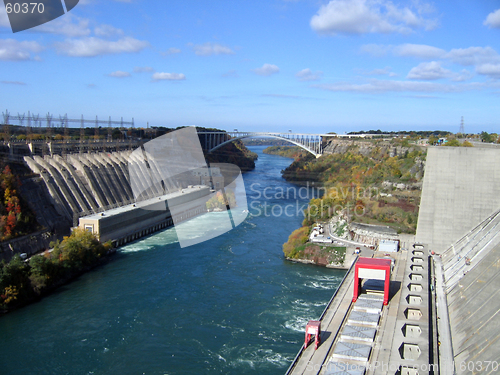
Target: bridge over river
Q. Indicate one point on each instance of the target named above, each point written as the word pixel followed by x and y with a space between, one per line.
pixel 312 143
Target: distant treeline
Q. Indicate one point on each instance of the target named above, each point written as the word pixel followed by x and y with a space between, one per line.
pixel 73 133
pixel 422 133
pixel 264 142
pixel 294 152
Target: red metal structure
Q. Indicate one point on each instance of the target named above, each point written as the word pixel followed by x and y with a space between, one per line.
pixel 372 268
pixel 313 328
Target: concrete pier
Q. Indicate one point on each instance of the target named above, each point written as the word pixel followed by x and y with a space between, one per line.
pixel 365 337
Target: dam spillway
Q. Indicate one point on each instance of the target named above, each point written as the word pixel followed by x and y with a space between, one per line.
pixel 81 184
pixel 95 192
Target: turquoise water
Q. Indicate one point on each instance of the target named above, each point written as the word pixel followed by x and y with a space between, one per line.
pixel 231 305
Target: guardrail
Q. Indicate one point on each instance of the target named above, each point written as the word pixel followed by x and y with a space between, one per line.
pixel 294 362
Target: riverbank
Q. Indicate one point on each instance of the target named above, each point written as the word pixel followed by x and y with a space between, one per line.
pixel 374 183
pixel 234 153
pixel 25 281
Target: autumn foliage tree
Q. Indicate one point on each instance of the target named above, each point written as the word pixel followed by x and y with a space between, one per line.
pixel 15 217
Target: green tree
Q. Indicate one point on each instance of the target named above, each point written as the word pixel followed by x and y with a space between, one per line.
pixel 467 144
pixel 486 137
pixel 453 143
pixel 433 140
pixel 15 274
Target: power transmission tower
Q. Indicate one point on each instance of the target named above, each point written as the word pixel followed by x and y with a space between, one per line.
pixel 49 127
pixel 6 128
pixel 110 130
pixel 82 134
pixel 48 133
pixel 96 131
pixel 66 130
pixel 35 120
pixel 21 118
pixel 462 130
pixel 28 127
pixel 64 124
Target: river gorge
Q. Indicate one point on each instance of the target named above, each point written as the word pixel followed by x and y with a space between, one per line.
pixel 231 305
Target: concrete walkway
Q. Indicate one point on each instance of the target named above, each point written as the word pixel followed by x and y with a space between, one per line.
pixel 311 361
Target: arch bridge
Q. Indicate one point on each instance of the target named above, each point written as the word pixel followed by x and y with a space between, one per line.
pixel 312 143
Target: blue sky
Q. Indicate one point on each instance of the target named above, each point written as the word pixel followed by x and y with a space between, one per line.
pixel 308 66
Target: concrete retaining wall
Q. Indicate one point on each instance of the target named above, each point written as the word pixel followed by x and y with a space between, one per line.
pixel 461 189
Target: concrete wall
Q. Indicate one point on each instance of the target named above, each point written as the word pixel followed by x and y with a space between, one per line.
pixel 474 308
pixel 461 188
pixel 136 220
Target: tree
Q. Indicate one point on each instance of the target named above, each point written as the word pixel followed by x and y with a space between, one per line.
pixel 467 144
pixel 486 137
pixel 453 143
pixel 433 140
pixel 15 276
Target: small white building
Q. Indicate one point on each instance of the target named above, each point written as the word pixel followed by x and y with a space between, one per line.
pixel 388 246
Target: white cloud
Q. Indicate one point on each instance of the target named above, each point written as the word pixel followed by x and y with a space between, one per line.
pixel 376 50
pixel 13 50
pixel 171 51
pixel 107 31
pixel 368 16
pixel 473 56
pixel 491 70
pixel 383 86
pixel 308 75
pixel 462 76
pixel 14 83
pixel 429 71
pixel 281 96
pixel 382 72
pixel 91 46
pixel 143 69
pixel 420 51
pixel 231 73
pixel 493 19
pixel 119 74
pixel 266 70
pixel 208 49
pixel 69 25
pixel 462 56
pixel 168 77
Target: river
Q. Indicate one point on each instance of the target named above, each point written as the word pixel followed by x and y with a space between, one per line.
pixel 231 305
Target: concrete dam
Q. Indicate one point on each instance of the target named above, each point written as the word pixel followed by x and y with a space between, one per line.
pixel 94 191
pixel 460 220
